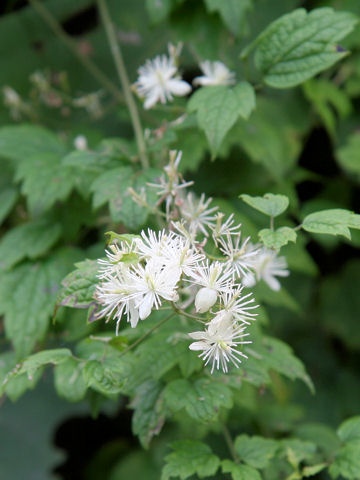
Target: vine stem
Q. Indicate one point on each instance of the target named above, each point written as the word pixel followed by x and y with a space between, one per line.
pixel 230 443
pixel 121 70
pixel 149 332
pixel 88 64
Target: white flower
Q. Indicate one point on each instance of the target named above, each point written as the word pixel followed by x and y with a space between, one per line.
pixel 215 73
pixel 218 343
pixel 113 263
pixel 150 284
pixel 267 265
pixel 197 213
pixel 80 142
pixel 240 257
pixel 224 228
pixel 205 299
pixel 158 81
pixel 238 305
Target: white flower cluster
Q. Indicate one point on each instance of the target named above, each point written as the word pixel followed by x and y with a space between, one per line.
pixel 173 265
pixel 159 79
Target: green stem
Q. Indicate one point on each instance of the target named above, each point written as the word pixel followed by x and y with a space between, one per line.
pixel 187 315
pixel 149 332
pixel 230 443
pixel 90 66
pixel 121 70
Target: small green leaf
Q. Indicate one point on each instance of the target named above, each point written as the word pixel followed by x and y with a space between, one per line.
pixel 232 12
pixel 240 472
pixel 301 44
pixel 158 10
pixel 121 237
pixel 269 204
pixel 347 462
pixel 298 450
pixel 255 451
pixel 69 380
pixel 335 221
pixel 11 383
pixel 218 108
pixel 8 197
pixel 107 377
pixel 313 469
pixel 348 156
pixel 350 429
pixel 278 238
pixel 190 457
pixel 55 357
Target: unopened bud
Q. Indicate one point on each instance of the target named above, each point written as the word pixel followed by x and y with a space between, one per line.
pixel 205 299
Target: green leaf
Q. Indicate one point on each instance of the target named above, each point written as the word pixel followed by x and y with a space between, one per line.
pixel 8 197
pixel 219 107
pixel 113 187
pixel 45 181
pixel 31 240
pixel 301 44
pixel 190 457
pixel 201 399
pixel 232 12
pixel 240 472
pixel 108 376
pixel 313 469
pixel 121 237
pixel 347 462
pixel 78 287
pixel 298 450
pixel 348 156
pixel 269 204
pixel 149 416
pixel 350 429
pixel 278 238
pixel 27 298
pixel 335 221
pixel 322 435
pixel 69 380
pixel 158 10
pixel 19 142
pixel 255 451
pixel 14 385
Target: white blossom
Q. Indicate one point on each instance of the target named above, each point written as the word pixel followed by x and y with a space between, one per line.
pixel 240 256
pixel 80 142
pixel 267 265
pixel 218 343
pixel 113 263
pixel 238 305
pixel 222 228
pixel 197 214
pixel 215 73
pixel 159 80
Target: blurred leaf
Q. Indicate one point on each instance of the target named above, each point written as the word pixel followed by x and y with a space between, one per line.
pixel 350 430
pixel 278 238
pixel 255 451
pixel 107 376
pixel 323 435
pixel 269 204
pixel 158 10
pixel 335 221
pixel 69 380
pixel 348 156
pixel 231 11
pixel 188 458
pixel 218 108
pixel 301 44
pixel 8 197
pixel 347 462
pixel 240 472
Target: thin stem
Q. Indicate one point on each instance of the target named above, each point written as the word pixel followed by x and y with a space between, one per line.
pixel 230 443
pixel 88 64
pixel 272 223
pixel 187 315
pixel 121 70
pixel 149 332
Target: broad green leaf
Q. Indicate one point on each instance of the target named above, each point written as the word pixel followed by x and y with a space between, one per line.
pixel 350 429
pixel 19 142
pixel 278 238
pixel 269 204
pixel 190 457
pixel 219 107
pixel 149 415
pixel 322 435
pixel 298 450
pixel 348 156
pixel 335 221
pixel 107 377
pixel 301 44
pixel 240 472
pixel 113 187
pixel 28 240
pixel 231 11
pixel 347 462
pixel 201 399
pixel 78 287
pixel 12 384
pixel 27 298
pixel 158 10
pixel 45 181
pixel 69 380
pixel 8 197
pixel 255 451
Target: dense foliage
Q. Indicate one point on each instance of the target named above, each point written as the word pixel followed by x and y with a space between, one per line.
pixel 274 141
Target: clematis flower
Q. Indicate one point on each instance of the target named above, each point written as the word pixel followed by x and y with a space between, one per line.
pixel 215 73
pixel 266 266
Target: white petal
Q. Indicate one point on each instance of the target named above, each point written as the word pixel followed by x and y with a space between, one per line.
pixel 199 346
pixel 145 306
pixel 273 283
pixel 178 87
pixel 151 99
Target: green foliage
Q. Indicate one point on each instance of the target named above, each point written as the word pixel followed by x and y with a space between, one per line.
pixel 334 222
pixel 278 238
pixel 348 156
pixel 240 472
pixel 272 205
pixel 232 12
pixel 255 451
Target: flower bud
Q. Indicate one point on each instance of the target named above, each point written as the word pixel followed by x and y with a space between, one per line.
pixel 205 299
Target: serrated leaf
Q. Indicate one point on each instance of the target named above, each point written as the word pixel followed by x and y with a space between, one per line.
pixel 190 457
pixel 348 156
pixel 45 181
pixel 335 221
pixel 278 238
pixel 218 108
pixel 27 298
pixel 28 240
pixel 350 429
pixel 113 187
pixel 301 44
pixel 69 380
pixel 19 142
pixel 201 399
pixel 298 450
pixel 347 462
pixel 78 287
pixel 231 11
pixel 149 416
pixel 269 204
pixel 255 451
pixel 107 377
pixel 8 198
pixel 240 472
